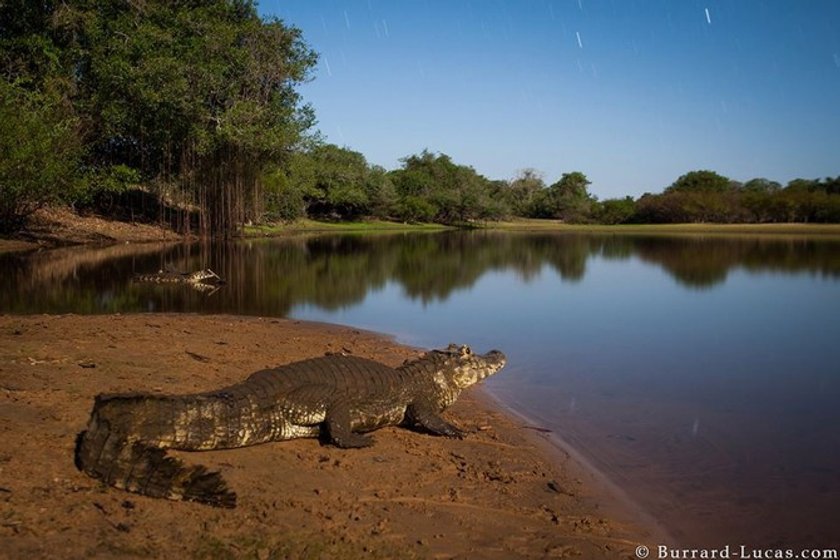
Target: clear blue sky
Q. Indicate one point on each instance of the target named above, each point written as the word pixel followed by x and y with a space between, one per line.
pixel 633 93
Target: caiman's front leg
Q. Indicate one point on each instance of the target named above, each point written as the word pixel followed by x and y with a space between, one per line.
pixel 423 415
pixel 339 428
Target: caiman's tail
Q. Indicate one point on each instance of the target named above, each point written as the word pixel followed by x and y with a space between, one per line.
pixel 108 451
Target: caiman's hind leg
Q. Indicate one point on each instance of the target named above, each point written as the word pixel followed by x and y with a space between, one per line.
pixel 425 417
pixel 138 468
pixel 339 429
pixel 331 412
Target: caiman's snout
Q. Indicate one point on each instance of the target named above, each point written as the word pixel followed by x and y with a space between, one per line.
pixel 494 360
pixel 468 368
pixel 496 357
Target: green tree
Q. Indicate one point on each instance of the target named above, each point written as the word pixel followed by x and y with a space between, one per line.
pixel 40 150
pixel 696 197
pixel 415 209
pixel 801 185
pixel 569 199
pixel 497 200
pixel 760 185
pixel 199 98
pixel 327 181
pixel 615 211
pixel 287 185
pixel 700 181
pixel 339 189
pixel 427 186
pixel 431 187
pixel 524 192
pixel 831 185
pixel 29 56
pixel 381 192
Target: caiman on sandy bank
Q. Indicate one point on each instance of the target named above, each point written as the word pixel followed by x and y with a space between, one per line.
pixel 335 397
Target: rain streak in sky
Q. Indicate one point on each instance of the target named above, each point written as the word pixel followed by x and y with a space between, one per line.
pixel 632 93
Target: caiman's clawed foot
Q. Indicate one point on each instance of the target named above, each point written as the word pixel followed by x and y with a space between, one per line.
pixel 449 430
pixel 352 441
pixel 339 432
pixel 425 418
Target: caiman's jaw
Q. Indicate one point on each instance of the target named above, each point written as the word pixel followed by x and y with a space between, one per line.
pixel 468 368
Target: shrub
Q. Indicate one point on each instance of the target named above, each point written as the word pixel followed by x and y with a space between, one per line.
pixel 40 150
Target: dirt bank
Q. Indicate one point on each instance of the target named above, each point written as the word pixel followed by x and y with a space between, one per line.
pixel 57 226
pixel 495 494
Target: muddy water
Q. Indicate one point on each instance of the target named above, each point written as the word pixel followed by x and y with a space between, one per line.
pixel 702 375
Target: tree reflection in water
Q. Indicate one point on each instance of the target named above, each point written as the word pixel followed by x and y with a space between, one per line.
pixel 270 276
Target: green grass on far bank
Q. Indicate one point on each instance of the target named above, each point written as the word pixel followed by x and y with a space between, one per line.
pixel 315 226
pixel 668 229
pixel 524 224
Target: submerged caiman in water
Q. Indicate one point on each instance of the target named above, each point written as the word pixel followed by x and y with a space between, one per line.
pixel 200 279
pixel 335 397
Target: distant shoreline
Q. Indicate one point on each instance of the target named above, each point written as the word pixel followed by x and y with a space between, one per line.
pixel 59 227
pixel 696 229
pixel 528 224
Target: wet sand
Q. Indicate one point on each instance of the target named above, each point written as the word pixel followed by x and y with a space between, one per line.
pixel 503 492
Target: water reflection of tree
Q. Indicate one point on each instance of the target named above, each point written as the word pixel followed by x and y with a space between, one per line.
pixel 704 262
pixel 269 277
pixel 71 280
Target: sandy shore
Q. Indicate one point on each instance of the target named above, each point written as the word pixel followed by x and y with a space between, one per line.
pixel 499 493
pixel 59 226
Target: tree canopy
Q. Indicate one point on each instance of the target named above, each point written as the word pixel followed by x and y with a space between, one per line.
pixel 431 187
pixel 196 97
pixel 40 152
pixel 700 181
pixel 197 104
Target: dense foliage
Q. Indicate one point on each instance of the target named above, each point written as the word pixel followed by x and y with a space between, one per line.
pixel 431 187
pixel 193 99
pixel 699 197
pixel 40 151
pixel 329 182
pixel 194 103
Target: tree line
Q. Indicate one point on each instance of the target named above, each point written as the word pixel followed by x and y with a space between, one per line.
pixel 701 196
pixel 187 100
pixel 330 182
pixel 189 113
pixel 705 196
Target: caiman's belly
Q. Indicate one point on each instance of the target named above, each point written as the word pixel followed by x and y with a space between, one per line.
pixel 364 417
pixel 373 417
pixel 218 425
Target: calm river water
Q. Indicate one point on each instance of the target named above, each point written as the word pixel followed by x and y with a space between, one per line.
pixel 701 374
